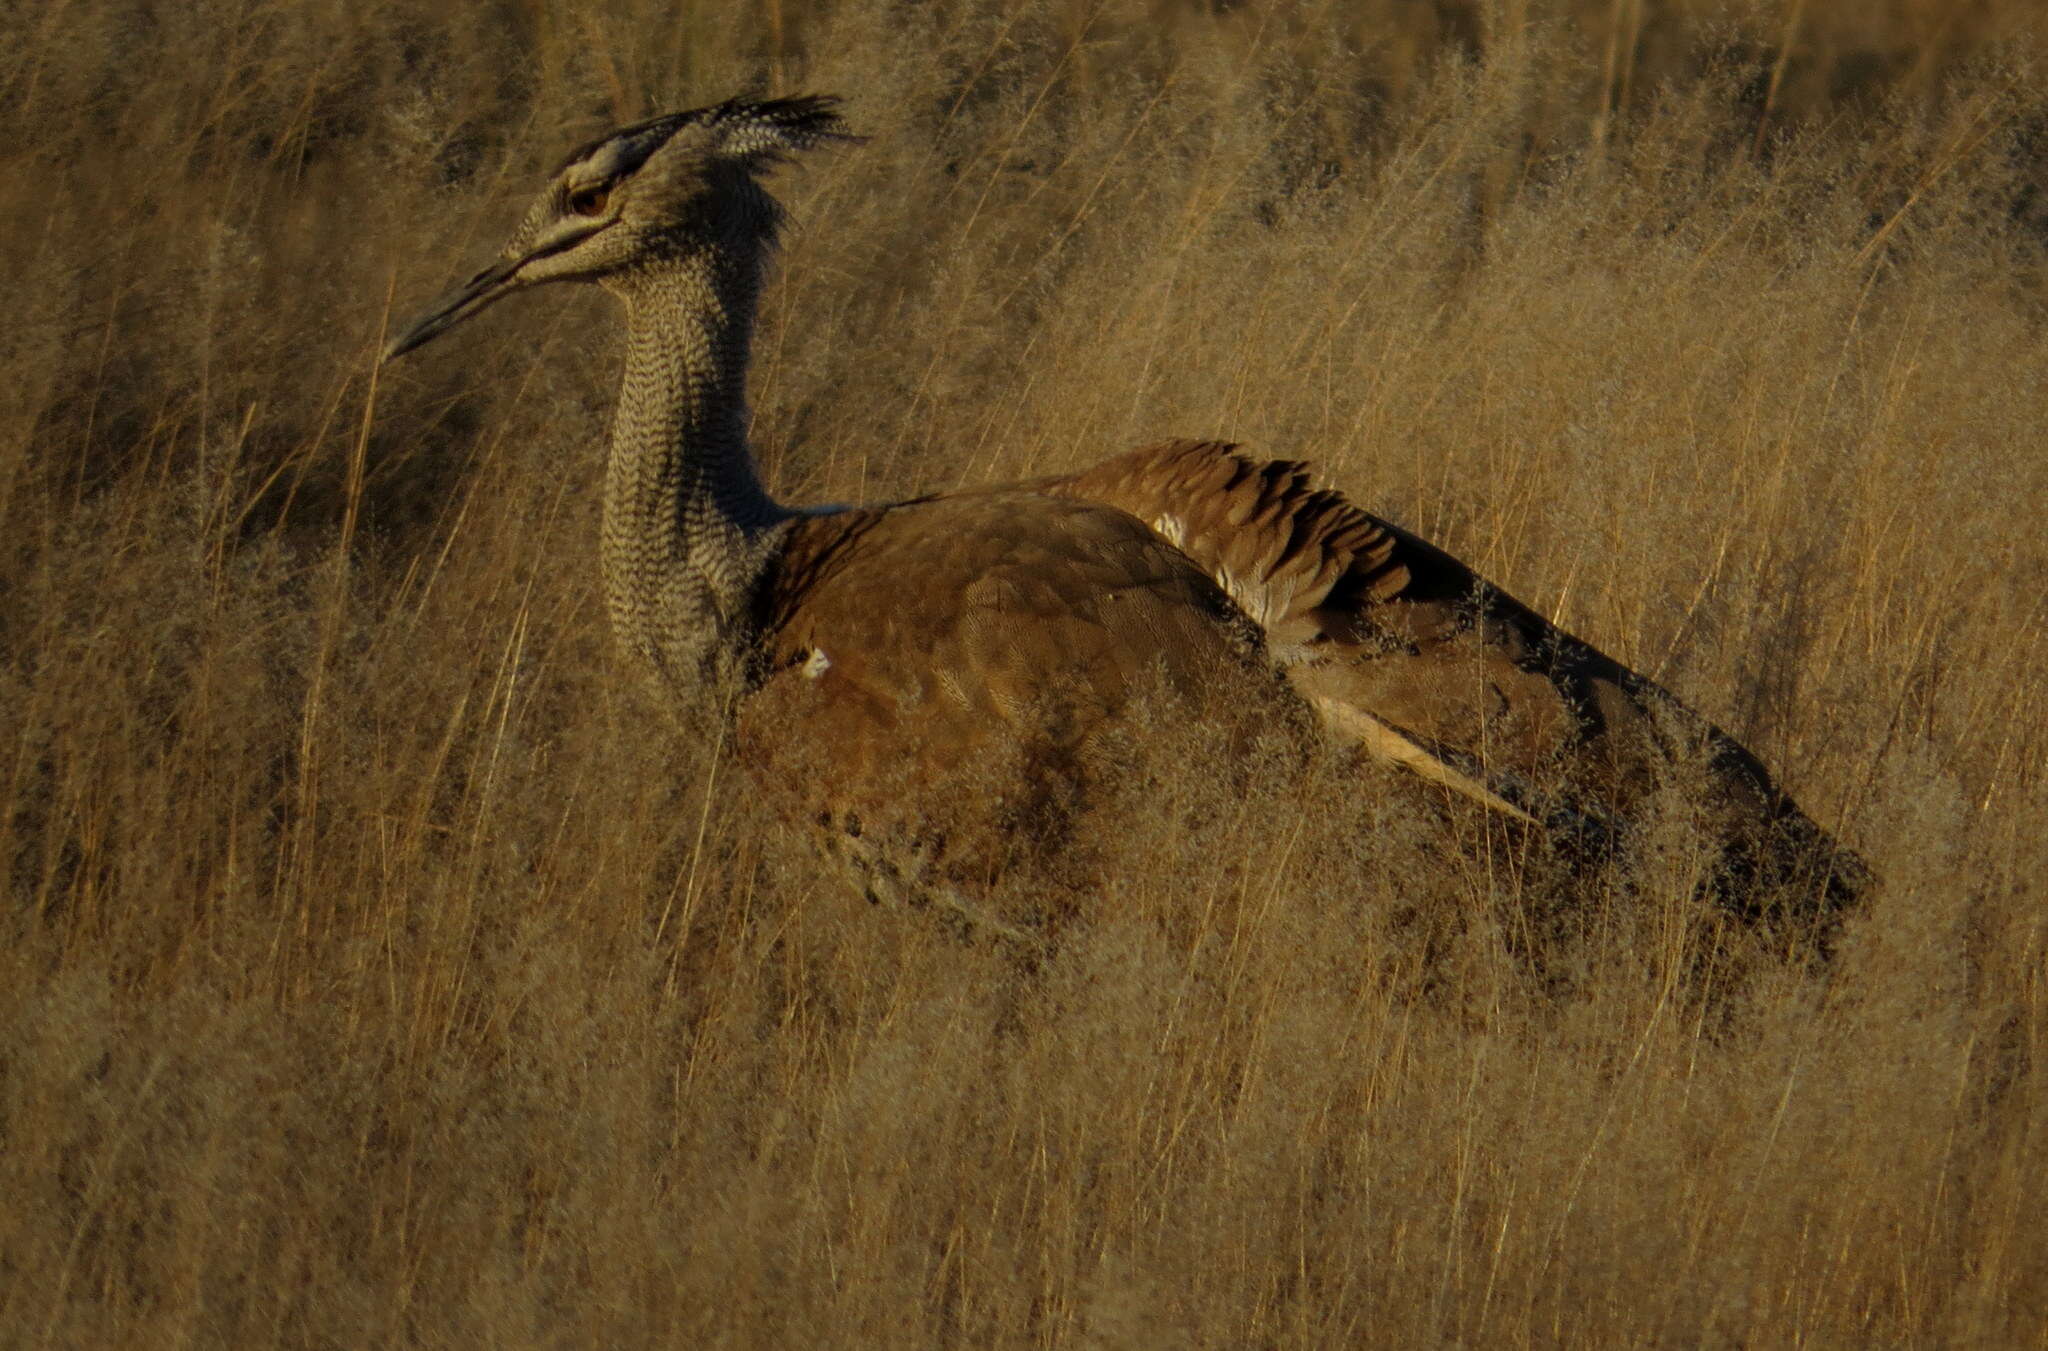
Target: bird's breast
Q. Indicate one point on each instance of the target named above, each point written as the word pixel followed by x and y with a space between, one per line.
pixel 967 659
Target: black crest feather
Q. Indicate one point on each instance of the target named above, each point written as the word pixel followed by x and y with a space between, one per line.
pixel 752 127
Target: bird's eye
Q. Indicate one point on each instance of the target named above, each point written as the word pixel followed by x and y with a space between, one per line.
pixel 589 201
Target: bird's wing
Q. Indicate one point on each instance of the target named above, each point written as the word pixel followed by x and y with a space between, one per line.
pixel 1406 650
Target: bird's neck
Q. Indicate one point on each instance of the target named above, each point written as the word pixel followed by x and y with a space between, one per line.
pixel 688 529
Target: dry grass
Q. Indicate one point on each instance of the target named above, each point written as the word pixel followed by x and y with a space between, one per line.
pixel 372 975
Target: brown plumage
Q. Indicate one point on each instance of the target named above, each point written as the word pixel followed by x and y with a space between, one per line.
pixel 943 678
pixel 939 681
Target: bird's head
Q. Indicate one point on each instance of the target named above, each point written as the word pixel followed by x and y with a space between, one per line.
pixel 644 196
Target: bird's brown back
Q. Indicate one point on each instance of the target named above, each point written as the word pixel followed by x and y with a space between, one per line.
pixel 942 677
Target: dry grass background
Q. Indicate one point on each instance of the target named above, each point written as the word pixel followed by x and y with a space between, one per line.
pixel 377 970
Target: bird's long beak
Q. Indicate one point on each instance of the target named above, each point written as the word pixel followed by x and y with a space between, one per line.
pixel 498 280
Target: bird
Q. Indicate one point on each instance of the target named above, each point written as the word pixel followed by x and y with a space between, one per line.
pixel 929 682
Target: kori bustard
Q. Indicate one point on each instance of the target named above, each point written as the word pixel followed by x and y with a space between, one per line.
pixel 871 656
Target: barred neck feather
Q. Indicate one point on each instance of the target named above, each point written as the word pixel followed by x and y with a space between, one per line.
pixel 688 528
